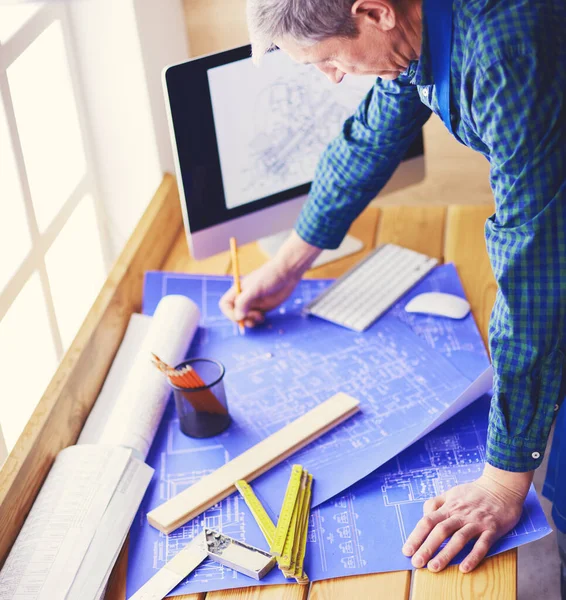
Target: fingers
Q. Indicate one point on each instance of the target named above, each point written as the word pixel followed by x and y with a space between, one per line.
pixel 433 504
pixel 451 527
pixel 227 303
pixel 465 512
pixel 253 318
pixel 242 304
pixel 480 549
pixel 236 308
pixel 440 532
pixel 456 543
pixel 421 531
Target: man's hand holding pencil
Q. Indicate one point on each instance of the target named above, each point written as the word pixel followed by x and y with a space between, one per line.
pixel 236 272
pixel 270 285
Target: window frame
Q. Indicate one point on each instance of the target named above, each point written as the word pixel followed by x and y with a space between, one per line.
pixel 87 187
pixel 34 261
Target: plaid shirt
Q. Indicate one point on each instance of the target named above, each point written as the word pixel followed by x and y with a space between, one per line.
pixel 508 79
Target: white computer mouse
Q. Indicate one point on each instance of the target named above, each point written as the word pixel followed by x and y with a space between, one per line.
pixel 439 304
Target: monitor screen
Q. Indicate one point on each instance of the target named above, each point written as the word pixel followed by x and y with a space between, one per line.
pixel 272 126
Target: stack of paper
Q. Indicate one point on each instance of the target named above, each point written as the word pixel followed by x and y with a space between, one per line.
pixel 79 521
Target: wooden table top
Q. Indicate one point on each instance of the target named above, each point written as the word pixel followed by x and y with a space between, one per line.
pixel 451 234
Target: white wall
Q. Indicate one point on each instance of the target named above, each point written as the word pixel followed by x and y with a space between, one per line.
pixel 121 48
pixel 3 448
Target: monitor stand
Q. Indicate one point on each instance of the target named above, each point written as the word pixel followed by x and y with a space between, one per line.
pixel 270 245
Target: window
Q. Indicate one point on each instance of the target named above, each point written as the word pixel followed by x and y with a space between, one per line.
pixel 54 257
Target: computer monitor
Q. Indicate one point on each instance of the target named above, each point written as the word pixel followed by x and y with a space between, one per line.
pixel 246 141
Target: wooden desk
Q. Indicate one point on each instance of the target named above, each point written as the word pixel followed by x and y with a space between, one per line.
pixel 452 234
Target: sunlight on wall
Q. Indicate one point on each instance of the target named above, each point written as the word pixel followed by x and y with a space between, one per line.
pixel 75 268
pixel 15 241
pixel 28 358
pixel 48 124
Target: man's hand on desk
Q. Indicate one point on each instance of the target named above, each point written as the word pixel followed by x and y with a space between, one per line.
pixel 485 509
pixel 271 284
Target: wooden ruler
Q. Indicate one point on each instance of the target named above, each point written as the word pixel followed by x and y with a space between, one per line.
pixel 292 557
pixel 288 513
pixel 252 463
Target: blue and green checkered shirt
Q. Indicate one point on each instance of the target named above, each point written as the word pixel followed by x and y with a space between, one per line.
pixel 508 81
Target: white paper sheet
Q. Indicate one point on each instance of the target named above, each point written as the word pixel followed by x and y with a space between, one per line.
pixel 111 532
pixel 63 521
pixel 482 385
pixel 287 114
pixel 141 401
pixel 136 332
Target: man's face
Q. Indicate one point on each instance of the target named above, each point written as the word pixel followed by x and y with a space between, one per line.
pixel 384 52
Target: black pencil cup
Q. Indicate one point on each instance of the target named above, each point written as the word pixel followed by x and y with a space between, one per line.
pixel 202 409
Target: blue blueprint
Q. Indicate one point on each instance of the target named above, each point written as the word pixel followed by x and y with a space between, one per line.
pixel 180 461
pixel 281 370
pixel 458 341
pixel 359 530
pixel 363 530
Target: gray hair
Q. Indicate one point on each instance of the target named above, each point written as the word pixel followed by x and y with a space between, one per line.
pixel 305 21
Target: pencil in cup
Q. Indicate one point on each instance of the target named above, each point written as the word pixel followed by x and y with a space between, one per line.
pixel 236 274
pixel 202 400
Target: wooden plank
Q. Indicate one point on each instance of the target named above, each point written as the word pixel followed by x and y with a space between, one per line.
pixel 390 586
pixel 494 578
pixel 250 258
pixel 465 247
pixel 116 589
pixel 63 409
pixel 214 26
pixel 419 228
pixel 268 592
pixel 253 462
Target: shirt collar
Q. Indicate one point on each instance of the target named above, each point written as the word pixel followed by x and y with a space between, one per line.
pixel 420 71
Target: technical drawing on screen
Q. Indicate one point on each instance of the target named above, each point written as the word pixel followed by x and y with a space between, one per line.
pixel 247 140
pixel 285 119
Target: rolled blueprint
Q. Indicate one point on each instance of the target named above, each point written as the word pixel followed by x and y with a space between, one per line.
pixel 141 401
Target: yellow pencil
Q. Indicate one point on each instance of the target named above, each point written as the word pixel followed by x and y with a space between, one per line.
pixel 236 273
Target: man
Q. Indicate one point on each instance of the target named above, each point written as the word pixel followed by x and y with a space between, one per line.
pixel 507 85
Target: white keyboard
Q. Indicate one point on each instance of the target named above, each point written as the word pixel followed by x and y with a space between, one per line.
pixel 366 291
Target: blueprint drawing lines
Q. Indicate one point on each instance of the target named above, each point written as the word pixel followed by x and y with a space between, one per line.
pixel 279 371
pixel 457 340
pixel 363 530
pixel 294 119
pixel 299 362
pixel 179 462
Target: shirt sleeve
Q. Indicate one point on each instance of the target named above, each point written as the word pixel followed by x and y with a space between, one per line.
pixel 520 116
pixel 360 161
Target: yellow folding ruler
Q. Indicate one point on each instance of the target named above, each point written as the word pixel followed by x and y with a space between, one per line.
pixel 288 540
